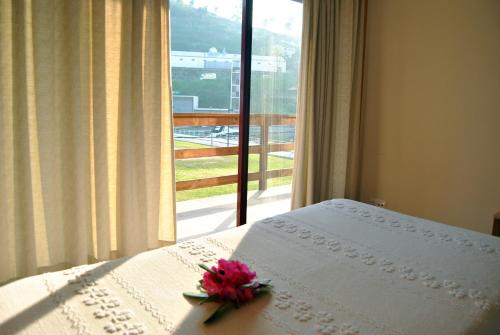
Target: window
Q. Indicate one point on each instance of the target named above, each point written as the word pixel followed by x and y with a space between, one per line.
pixel 206 69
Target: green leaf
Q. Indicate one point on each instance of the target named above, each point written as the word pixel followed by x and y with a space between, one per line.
pixel 218 313
pixel 206 268
pixel 262 290
pixel 264 282
pixel 257 284
pixel 195 295
pixel 209 299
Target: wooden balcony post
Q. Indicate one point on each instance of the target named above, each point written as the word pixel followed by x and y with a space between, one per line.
pixel 264 150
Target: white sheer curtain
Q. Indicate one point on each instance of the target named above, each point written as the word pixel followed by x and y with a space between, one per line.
pixel 86 144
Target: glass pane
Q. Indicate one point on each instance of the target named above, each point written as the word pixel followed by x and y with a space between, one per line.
pixel 276 41
pixel 205 65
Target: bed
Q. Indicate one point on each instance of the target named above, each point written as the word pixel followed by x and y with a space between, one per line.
pixel 337 267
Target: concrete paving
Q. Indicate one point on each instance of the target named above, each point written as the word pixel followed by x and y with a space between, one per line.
pixel 199 217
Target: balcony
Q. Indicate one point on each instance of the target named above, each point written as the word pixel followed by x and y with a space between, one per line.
pixel 208 203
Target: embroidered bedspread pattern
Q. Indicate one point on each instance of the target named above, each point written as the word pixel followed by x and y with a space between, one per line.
pixel 338 267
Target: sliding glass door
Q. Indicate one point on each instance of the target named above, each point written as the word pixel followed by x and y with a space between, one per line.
pixel 206 54
pixel 205 67
pixel 276 42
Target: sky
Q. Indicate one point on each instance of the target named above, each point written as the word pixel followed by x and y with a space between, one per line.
pixel 279 16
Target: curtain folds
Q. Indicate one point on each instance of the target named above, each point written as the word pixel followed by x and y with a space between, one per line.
pixel 86 147
pixel 327 145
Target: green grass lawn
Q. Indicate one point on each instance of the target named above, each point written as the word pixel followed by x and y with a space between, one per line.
pixel 199 168
pixel 189 145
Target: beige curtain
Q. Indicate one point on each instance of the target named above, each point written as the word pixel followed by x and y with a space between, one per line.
pixel 327 144
pixel 86 145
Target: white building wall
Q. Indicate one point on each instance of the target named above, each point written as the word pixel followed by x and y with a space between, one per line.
pixel 198 60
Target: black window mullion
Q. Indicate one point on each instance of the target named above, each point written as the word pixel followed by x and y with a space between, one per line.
pixel 244 124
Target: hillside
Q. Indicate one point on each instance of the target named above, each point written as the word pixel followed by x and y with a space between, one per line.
pixel 196 29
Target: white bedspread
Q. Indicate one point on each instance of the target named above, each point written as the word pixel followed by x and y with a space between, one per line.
pixel 339 267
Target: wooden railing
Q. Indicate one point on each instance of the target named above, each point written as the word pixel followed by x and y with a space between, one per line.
pixel 261 120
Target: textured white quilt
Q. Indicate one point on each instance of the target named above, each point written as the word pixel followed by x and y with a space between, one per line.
pixel 339 267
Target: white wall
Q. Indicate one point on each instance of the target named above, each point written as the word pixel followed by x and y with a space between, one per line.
pixel 432 125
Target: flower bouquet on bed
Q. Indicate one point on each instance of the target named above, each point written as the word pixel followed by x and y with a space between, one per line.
pixel 230 283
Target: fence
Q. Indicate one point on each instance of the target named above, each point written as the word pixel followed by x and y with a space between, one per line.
pixel 263 147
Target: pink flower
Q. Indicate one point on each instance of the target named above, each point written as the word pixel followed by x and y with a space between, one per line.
pixel 227 279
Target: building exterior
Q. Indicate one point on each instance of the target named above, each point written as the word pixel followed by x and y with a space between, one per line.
pixel 214 60
pixel 222 60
